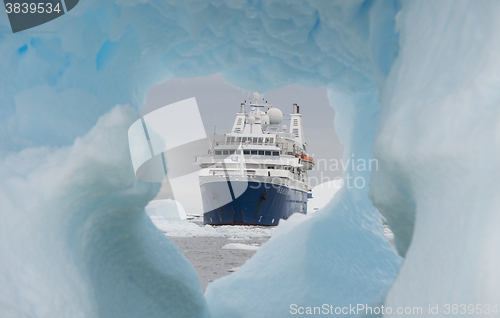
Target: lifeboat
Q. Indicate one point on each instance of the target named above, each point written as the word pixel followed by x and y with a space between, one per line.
pixel 307 161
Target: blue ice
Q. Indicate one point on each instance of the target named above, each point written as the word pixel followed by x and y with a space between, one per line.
pixel 406 80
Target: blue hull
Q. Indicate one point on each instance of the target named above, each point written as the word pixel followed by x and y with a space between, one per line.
pixel 260 204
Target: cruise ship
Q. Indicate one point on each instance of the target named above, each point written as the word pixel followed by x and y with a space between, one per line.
pixel 257 173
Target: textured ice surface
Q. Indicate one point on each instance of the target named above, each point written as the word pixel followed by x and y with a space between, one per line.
pixel 332 258
pixel 438 145
pixel 75 241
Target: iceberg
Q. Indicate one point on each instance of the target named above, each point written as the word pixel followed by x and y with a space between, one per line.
pixel 77 242
pixel 168 209
pixel 414 85
pixel 436 141
pixel 322 194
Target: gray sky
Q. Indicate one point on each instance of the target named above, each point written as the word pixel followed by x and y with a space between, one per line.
pixel 219 102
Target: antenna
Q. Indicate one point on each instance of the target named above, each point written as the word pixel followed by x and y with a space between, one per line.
pixel 215 123
pixel 215 129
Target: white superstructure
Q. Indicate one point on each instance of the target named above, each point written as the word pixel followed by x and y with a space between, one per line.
pixel 272 152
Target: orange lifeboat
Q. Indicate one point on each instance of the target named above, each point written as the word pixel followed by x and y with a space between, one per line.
pixel 307 161
pixel 304 157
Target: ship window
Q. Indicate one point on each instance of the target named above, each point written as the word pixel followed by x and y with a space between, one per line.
pixel 267 140
pixel 228 139
pixel 268 153
pixel 218 152
pixel 231 152
pixel 295 122
pixel 232 139
pixel 238 139
pixel 254 152
pixel 296 132
pixel 271 140
pixel 244 139
pixel 225 152
pixel 276 153
pixel 246 152
pixel 255 140
pixel 261 152
pixel 260 140
pixel 270 167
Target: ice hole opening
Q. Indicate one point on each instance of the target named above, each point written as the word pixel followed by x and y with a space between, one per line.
pixel 218 103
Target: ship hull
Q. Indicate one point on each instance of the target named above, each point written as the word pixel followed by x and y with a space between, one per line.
pixel 260 204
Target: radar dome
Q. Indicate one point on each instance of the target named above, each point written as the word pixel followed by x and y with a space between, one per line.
pixel 275 116
pixel 264 119
pixel 256 95
pixel 251 120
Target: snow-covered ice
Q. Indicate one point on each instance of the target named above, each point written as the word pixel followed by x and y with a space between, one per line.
pixel 240 246
pixel 240 232
pixel 167 209
pixel 185 228
pixel 323 194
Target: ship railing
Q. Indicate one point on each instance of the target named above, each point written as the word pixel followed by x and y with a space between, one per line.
pixel 229 172
pixel 251 173
pixel 246 141
pixel 286 146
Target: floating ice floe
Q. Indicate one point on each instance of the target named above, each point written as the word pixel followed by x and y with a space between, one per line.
pixel 239 246
pixel 168 209
pixel 186 228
